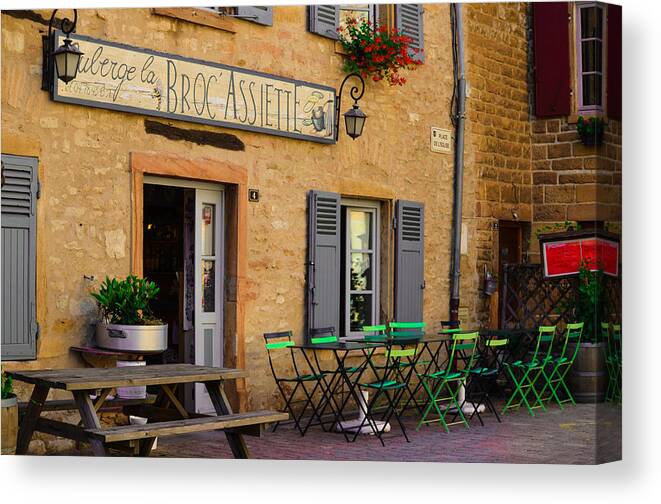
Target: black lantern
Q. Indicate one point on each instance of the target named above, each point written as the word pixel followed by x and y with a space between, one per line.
pixel 66 57
pixel 354 118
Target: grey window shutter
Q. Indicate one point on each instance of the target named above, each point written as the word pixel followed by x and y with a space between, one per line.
pixel 409 260
pixel 324 20
pixel 408 21
pixel 256 14
pixel 19 258
pixel 324 252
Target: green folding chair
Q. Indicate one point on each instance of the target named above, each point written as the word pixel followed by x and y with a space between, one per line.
pixel 524 373
pixel 448 381
pixel 558 366
pixel 613 337
pixel 402 332
pixel 483 378
pixel 333 382
pixel 389 386
pixel 277 343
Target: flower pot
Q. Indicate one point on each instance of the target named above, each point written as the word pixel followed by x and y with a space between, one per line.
pixel 594 139
pixel 132 338
pixel 9 425
pixel 588 378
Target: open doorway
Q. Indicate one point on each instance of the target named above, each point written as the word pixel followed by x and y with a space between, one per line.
pixel 163 260
pixel 512 237
pixel 183 252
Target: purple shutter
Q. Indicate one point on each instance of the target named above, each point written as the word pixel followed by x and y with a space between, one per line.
pixel 551 38
pixel 614 62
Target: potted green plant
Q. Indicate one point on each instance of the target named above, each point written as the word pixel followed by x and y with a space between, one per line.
pixel 590 130
pixel 9 416
pixel 588 378
pixel 128 321
pixel 379 53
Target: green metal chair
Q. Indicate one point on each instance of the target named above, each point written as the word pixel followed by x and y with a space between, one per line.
pixel 388 386
pixel 613 337
pixel 374 332
pixel 407 331
pixel 559 365
pixel 333 382
pixel 483 377
pixel 449 381
pixel 277 343
pixel 525 372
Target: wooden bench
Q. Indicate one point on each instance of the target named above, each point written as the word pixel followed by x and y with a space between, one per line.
pixel 108 405
pixel 199 424
pixel 166 415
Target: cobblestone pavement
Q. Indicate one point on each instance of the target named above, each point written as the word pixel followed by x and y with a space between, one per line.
pixel 582 434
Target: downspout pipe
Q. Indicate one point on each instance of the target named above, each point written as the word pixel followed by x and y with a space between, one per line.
pixel 460 119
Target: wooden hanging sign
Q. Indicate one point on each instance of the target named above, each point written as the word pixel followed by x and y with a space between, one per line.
pixel 130 79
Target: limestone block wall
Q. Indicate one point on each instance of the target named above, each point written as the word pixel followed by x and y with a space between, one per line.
pixel 574 182
pixel 498 171
pixel 84 214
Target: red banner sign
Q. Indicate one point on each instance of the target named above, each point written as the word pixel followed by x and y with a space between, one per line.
pixel 564 257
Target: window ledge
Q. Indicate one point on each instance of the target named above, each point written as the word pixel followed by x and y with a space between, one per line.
pixel 573 118
pixel 198 16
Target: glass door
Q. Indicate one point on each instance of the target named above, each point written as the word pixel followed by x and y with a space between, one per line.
pixel 208 292
pixel 361 271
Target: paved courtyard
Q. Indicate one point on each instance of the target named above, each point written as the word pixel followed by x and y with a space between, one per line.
pixel 584 434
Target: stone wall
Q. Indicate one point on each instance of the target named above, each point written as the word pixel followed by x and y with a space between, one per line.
pixel 535 171
pixel 574 182
pixel 497 179
pixel 84 214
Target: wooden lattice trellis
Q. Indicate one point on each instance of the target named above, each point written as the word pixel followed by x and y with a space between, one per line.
pixel 530 300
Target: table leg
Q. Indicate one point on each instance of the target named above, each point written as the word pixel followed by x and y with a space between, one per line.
pixel 90 419
pixel 222 407
pixel 163 400
pixel 29 422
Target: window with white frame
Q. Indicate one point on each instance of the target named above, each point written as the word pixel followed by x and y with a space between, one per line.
pixel 359 265
pixel 590 56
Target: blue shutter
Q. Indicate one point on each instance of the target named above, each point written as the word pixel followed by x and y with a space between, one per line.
pixel 256 14
pixel 19 315
pixel 324 20
pixel 409 261
pixel 408 21
pixel 324 249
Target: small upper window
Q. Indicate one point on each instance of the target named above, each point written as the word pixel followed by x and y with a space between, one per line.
pixel 256 14
pixel 590 56
pixel 359 12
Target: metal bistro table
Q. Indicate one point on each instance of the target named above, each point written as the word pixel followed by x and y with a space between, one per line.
pixel 350 376
pixel 166 416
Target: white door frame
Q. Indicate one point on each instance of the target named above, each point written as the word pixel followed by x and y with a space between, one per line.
pixel 211 193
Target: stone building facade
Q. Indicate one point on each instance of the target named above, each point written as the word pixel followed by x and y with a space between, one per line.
pixel 94 164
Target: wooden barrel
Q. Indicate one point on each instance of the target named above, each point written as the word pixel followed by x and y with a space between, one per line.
pixel 9 425
pixel 588 377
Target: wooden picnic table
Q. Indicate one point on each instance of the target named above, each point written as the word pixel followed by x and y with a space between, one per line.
pixel 165 416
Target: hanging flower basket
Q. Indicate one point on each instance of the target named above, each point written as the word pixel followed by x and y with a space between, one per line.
pixel 590 130
pixel 379 53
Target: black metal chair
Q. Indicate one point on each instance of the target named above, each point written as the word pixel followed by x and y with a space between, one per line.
pixel 278 342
